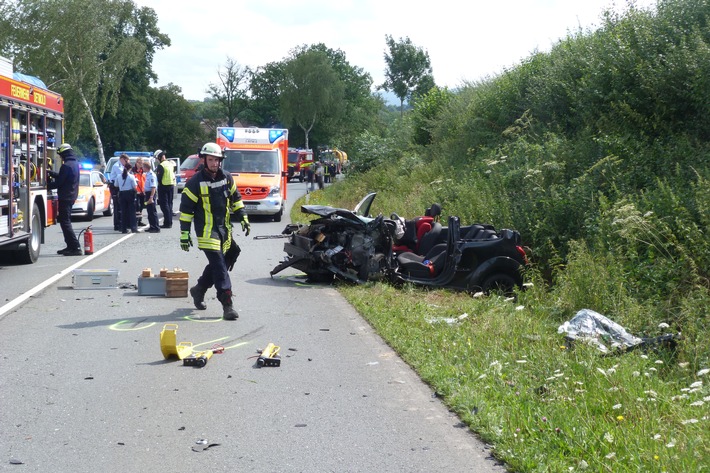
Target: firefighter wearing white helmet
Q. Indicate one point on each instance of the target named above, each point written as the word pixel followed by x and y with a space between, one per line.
pixel 208 200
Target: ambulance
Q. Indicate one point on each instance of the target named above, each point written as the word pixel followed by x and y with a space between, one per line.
pixel 31 129
pixel 257 158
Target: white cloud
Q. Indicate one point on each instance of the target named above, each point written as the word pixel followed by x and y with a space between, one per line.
pixel 466 41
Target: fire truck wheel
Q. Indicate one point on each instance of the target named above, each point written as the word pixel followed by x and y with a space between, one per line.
pixel 277 216
pixel 29 252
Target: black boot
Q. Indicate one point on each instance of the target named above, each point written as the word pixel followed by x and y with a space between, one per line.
pixel 198 296
pixel 228 312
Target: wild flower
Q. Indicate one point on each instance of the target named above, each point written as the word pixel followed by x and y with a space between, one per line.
pixel 697 384
pixel 636 374
pixel 690 421
pixel 610 455
pixel 616 406
pixel 651 393
pixel 697 403
pixel 657 437
pixel 703 372
pixel 619 418
pixel 671 444
pixel 609 437
pixel 663 325
pixel 659 362
pixel 683 364
pixel 544 419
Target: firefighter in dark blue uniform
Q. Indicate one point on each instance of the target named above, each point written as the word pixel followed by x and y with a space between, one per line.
pixel 67 184
pixel 208 200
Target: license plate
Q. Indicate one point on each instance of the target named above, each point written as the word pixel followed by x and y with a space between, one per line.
pixel 250 206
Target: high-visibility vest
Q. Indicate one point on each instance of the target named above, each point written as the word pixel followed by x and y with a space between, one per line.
pixel 168 173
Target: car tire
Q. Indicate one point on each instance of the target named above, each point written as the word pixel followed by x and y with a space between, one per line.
pixel 90 210
pixel 109 211
pixel 500 283
pixel 278 215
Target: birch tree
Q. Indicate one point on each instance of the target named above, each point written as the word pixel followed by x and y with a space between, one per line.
pixel 80 48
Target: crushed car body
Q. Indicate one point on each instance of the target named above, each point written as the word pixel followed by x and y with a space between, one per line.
pixel 353 246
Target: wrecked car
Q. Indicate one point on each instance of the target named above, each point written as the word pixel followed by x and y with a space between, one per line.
pixel 353 246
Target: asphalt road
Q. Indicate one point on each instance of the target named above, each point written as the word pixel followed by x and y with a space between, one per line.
pixel 84 386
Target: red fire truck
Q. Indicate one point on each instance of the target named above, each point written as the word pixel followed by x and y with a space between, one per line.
pixel 299 160
pixel 31 127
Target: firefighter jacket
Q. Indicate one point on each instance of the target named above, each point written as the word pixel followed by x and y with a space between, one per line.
pixel 67 180
pixel 208 202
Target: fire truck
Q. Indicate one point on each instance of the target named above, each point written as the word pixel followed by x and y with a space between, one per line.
pixel 299 160
pixel 31 128
pixel 257 158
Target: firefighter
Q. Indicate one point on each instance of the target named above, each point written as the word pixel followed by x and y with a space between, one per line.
pixel 209 197
pixel 66 181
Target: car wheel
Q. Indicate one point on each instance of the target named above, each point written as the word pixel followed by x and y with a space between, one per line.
pixel 500 283
pixel 277 216
pixel 109 211
pixel 90 210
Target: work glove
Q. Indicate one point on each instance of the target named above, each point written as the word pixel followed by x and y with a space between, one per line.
pixel 185 240
pixel 246 227
pixel 230 257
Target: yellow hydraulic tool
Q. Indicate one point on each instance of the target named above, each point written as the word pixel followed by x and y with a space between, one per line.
pixel 198 359
pixel 269 356
pixel 169 345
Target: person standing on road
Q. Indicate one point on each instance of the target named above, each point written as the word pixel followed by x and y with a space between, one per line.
pixel 208 200
pixel 140 190
pixel 150 195
pixel 319 175
pixel 166 179
pixel 127 186
pixel 66 181
pixel 116 172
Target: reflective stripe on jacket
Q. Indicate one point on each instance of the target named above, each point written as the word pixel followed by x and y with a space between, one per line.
pixel 208 203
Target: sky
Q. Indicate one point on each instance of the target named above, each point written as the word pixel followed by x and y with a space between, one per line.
pixel 466 40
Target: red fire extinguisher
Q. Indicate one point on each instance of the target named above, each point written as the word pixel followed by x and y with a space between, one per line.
pixel 88 241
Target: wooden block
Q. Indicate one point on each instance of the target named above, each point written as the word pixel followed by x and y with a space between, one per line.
pixel 147 273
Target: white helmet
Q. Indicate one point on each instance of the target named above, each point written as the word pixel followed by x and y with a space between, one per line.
pixel 63 148
pixel 157 153
pixel 212 149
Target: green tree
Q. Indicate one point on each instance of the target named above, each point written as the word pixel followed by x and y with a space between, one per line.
pixel 231 92
pixel 265 87
pixel 312 92
pixel 73 44
pixel 127 127
pixel 408 70
pixel 173 124
pixel 359 109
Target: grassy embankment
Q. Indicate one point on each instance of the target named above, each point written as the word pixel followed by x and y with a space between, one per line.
pixel 597 152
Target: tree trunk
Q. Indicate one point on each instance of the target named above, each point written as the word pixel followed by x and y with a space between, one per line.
pixel 95 130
